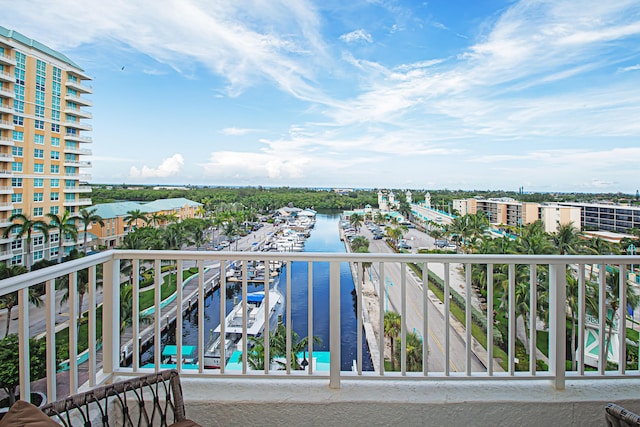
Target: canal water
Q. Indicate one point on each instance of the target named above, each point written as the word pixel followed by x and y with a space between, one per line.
pixel 325 237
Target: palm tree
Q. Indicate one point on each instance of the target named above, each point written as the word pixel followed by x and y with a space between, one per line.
pixel 26 227
pixel 392 327
pixel 155 218
pixel 414 352
pixel 613 298
pixel 11 300
pixel 82 287
pixel 65 224
pixel 359 242
pixel 356 221
pixel 87 217
pixel 134 216
pixel 568 239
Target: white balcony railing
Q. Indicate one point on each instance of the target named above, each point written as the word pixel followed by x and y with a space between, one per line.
pixel 440 352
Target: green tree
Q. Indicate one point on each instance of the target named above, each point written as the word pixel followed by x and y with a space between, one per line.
pixel 356 221
pixel 66 226
pixel 86 217
pixel 10 300
pixel 613 298
pixel 392 328
pixel 134 216
pixel 25 227
pixel 568 239
pixel 10 363
pixel 359 242
pixel 413 350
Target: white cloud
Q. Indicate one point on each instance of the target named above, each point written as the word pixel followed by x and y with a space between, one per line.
pixel 236 41
pixel 630 68
pixel 236 131
pixel 169 167
pixel 356 36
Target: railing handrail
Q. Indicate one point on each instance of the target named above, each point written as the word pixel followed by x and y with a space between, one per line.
pixel 557 305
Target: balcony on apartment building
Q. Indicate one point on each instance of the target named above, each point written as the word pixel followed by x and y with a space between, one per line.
pixel 6 157
pixel 76 150
pixel 77 163
pixel 6 124
pixel 78 125
pixel 78 112
pixel 77 138
pixel 6 141
pixel 77 189
pixel 77 85
pixel 7 60
pixel 448 389
pixel 7 77
pixel 6 108
pixel 78 100
pixel 6 92
pixel 78 202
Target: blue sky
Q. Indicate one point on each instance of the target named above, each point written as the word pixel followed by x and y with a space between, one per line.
pixel 451 94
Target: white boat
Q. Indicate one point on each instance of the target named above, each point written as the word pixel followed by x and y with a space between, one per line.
pixel 233 325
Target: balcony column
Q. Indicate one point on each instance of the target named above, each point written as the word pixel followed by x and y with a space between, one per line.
pixel 334 324
pixel 557 323
pixel 23 344
pixel 111 316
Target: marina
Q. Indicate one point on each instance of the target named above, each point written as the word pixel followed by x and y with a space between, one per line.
pixel 324 237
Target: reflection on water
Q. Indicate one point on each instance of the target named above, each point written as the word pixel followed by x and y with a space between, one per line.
pixel 324 238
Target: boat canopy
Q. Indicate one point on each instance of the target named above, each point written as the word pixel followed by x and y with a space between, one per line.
pixel 172 350
pixel 256 297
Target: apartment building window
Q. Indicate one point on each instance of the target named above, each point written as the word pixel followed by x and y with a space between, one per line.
pixel 16 151
pixel 38 197
pixel 40 111
pixel 16 260
pixel 55 155
pixel 16 198
pixel 16 244
pixel 70 157
pixel 38 124
pixel 38 168
pixel 53 252
pixel 18 120
pixel 55 169
pixel 69 183
pixel 55 210
pixel 54 196
pixel 19 76
pixel 54 183
pixel 18 106
pixel 38 240
pixel 16 182
pixel 55 127
pixel 38 255
pixel 72 92
pixel 16 211
pixel 38 153
pixel 55 141
pixel 16 166
pixel 38 182
pixel 37 211
pixel 18 136
pixel 38 139
pixel 71 171
pixel 69 197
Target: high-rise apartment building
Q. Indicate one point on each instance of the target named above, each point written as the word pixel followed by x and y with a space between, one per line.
pixel 42 140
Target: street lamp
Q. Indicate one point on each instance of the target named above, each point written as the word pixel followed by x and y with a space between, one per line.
pixel 631 250
pixel 387 282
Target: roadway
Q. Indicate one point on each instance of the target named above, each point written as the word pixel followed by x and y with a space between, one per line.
pixel 392 284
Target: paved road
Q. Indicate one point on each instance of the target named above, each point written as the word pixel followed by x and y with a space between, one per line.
pixel 392 285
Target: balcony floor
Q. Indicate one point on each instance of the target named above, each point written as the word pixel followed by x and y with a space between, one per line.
pixel 400 402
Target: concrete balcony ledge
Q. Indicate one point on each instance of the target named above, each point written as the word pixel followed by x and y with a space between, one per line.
pixel 405 402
